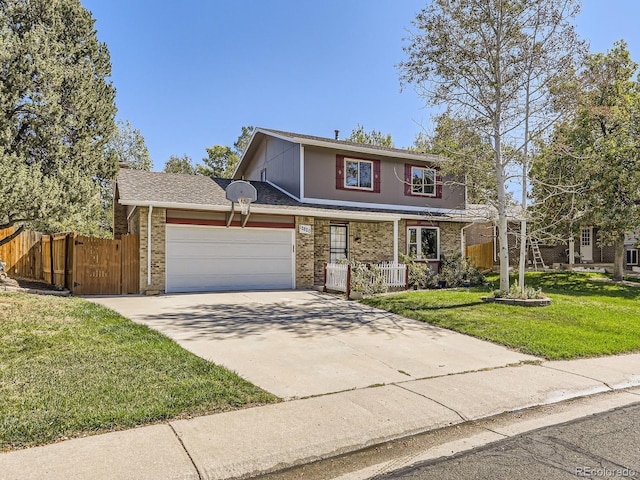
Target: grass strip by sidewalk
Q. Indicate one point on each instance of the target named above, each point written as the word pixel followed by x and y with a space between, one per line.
pixel 588 317
pixel 69 367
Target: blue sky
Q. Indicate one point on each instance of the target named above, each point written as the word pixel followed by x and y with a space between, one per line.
pixel 190 74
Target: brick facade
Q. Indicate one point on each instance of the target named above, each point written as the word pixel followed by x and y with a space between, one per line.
pixel 371 242
pixel 320 249
pixel 158 224
pixel 120 226
pixel 450 238
pixel 305 253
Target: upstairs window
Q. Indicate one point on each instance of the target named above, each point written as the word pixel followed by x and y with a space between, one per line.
pixel 423 181
pixel 358 174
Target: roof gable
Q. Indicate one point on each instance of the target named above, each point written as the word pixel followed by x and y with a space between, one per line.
pixel 343 145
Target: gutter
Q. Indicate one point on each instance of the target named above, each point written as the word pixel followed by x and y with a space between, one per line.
pixel 311 212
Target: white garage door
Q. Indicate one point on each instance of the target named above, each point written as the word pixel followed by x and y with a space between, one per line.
pixel 201 259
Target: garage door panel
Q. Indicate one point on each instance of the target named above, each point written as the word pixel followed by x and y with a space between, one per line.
pixel 234 266
pixel 209 258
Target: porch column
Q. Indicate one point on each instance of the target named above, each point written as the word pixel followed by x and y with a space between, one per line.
pixel 572 250
pixel 395 241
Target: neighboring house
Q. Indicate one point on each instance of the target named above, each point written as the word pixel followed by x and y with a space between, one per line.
pixel 318 200
pixel 587 250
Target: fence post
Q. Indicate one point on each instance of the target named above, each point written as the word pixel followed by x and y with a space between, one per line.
pixel 348 280
pixel 324 287
pixel 406 276
pixel 53 280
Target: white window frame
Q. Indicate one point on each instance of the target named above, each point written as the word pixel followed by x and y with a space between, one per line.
pixel 585 237
pixel 634 253
pixel 358 161
pixel 419 230
pixel 424 170
pixel 332 259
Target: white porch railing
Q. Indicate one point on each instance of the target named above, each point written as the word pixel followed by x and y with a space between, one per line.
pixel 395 274
pixel 337 274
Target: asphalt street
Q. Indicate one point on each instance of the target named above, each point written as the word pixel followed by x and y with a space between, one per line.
pixel 605 445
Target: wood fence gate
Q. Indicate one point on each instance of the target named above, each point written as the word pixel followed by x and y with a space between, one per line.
pixel 105 267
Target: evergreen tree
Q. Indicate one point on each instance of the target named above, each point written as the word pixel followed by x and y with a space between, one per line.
pixel 58 112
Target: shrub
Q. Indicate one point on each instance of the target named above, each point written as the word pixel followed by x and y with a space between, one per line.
pixel 367 279
pixel 456 270
pixel 420 274
pixel 529 293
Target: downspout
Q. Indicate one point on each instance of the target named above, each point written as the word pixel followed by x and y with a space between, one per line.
pixel 149 246
pixel 463 242
pixel 395 240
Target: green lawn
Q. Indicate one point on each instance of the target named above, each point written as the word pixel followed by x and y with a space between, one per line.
pixel 587 317
pixel 69 367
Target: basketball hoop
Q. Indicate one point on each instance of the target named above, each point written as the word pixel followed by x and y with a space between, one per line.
pixel 242 193
pixel 244 203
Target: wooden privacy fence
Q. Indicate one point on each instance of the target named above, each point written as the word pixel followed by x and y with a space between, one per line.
pixel 481 255
pixel 23 254
pixel 84 265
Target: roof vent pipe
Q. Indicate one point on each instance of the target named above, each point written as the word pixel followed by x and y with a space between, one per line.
pixel 337 132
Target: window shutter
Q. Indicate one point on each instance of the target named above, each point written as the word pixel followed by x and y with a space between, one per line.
pixel 376 176
pixel 340 172
pixel 407 180
pixel 438 184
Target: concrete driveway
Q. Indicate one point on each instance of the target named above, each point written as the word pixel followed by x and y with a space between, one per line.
pixel 302 343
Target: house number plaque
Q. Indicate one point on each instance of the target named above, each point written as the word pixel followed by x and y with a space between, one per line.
pixel 304 229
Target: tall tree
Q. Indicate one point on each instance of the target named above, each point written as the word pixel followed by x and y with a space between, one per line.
pixel 241 144
pixel 471 157
pixel 128 146
pixel 598 149
pixel 222 160
pixel 374 137
pixel 58 112
pixel 182 164
pixel 494 63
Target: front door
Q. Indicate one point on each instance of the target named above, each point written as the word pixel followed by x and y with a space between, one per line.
pixel 586 245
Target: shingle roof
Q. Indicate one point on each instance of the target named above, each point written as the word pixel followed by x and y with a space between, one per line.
pixel 347 144
pixel 136 187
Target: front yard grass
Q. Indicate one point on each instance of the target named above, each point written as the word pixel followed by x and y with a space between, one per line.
pixel 588 317
pixel 69 367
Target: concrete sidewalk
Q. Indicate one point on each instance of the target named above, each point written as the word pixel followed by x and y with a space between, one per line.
pixel 259 440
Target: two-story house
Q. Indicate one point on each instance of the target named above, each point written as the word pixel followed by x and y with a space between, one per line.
pixel 318 200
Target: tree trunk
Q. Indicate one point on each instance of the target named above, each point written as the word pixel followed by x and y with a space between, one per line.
pixel 8 238
pixel 618 259
pixel 503 239
pixel 523 253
